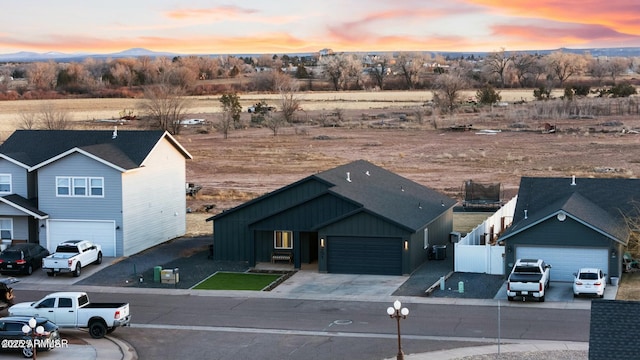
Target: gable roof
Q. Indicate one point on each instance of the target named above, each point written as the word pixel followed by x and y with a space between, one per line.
pixel 379 192
pixel 613 330
pixel 597 203
pixel 123 150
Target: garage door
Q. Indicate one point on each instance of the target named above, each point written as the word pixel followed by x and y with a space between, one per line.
pixel 564 260
pixel 99 232
pixel 360 255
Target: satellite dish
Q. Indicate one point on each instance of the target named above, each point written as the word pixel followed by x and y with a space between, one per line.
pixel 561 216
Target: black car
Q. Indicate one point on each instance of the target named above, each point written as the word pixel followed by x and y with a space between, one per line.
pixel 22 258
pixel 13 337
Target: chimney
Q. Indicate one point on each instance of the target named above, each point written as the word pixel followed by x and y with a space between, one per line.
pixel 115 132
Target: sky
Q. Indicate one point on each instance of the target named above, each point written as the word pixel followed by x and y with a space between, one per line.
pixel 284 26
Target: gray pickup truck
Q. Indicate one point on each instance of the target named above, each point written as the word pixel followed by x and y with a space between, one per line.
pixel 529 278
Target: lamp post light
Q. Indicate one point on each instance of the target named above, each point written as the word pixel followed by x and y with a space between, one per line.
pixel 34 331
pixel 398 312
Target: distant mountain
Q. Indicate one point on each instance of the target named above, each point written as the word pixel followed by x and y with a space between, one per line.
pixel 25 56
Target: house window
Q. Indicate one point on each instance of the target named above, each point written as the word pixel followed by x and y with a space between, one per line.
pixel 79 186
pixel 283 239
pixel 5 183
pixel 6 229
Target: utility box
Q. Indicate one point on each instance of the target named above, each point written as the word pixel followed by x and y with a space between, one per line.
pixel 169 276
pixel 439 252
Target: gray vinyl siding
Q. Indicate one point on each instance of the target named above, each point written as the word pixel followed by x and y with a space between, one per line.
pixel 154 201
pixel 18 178
pixel 439 231
pixel 106 207
pixel 552 232
pixel 365 224
pixel 232 236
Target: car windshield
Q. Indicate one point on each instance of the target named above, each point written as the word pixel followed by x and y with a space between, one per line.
pixel 12 255
pixel 588 276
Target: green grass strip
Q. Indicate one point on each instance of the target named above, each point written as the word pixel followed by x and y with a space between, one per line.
pixel 237 281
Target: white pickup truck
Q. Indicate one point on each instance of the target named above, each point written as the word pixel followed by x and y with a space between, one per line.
pixel 529 278
pixel 71 256
pixel 73 310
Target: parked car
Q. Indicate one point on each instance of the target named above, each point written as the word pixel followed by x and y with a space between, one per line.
pixel 589 281
pixel 22 258
pixel 529 278
pixel 71 256
pixel 13 338
pixel 73 310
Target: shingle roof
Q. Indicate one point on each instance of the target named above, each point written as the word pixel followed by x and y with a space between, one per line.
pixel 387 194
pixel 613 330
pixel 600 203
pixel 127 150
pixel 23 204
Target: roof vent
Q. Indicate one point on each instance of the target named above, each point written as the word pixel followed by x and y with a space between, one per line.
pixel 573 180
pixel 348 176
pixel 419 206
pixel 115 132
pixel 525 214
pixel 401 188
pixel 367 173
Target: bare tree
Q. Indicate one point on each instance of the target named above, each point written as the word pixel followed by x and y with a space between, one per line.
pixel 166 106
pixel 288 89
pixel 563 65
pixel 447 88
pixel 42 76
pixel 380 69
pixel 632 220
pixel 411 66
pixel 274 121
pixel 335 69
pixel 497 64
pixel 51 118
pixel 28 120
pixel 524 65
pixel 597 69
pixel 616 67
pixel 226 124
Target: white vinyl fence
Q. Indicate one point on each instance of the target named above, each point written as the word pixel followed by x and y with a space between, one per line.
pixel 478 251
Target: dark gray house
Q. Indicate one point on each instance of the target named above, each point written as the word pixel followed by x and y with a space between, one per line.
pixel 572 223
pixel 356 218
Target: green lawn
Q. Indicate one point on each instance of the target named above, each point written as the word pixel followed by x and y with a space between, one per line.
pixel 237 281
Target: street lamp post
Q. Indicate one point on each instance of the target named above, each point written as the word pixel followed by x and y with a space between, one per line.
pixel 33 330
pixel 398 312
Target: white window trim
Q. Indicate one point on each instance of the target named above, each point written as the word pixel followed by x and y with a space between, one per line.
pixel 72 187
pixel 275 239
pixel 10 184
pixel 10 229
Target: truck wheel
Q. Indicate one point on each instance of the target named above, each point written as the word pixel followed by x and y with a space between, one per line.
pixel 50 273
pixel 541 298
pixel 29 270
pixel 99 259
pixel 77 271
pixel 510 298
pixel 97 329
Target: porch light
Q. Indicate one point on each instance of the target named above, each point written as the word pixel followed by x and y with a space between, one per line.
pixel 321 242
pixel 406 245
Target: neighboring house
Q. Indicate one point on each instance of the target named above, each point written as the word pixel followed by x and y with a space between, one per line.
pixel 357 218
pixel 572 223
pixel 613 328
pixel 121 189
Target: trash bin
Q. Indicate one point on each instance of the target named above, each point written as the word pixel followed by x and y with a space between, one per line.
pixel 157 270
pixel 614 281
pixel 439 252
pixel 168 276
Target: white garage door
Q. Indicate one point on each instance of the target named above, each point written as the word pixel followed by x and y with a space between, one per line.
pixel 565 261
pixel 99 232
